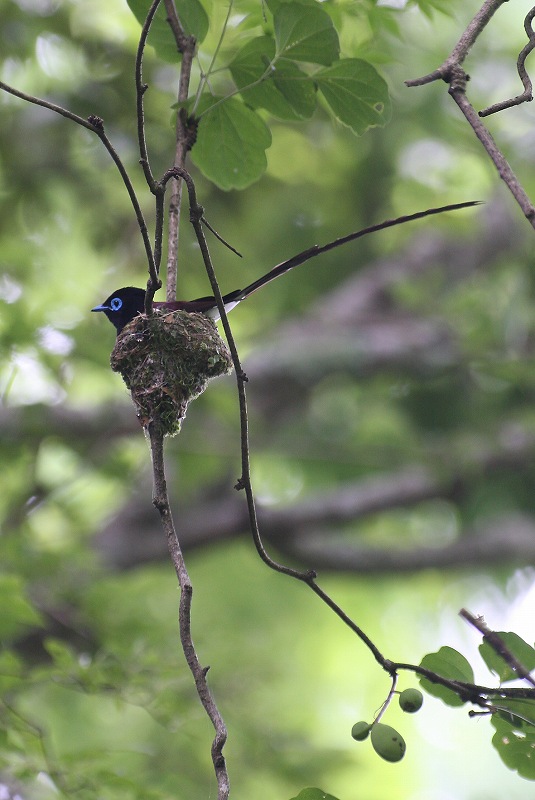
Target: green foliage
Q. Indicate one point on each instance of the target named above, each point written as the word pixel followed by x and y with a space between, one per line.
pixel 513 718
pixel 521 650
pixel 313 794
pixel 231 143
pixel 268 74
pixel 357 95
pixel 451 664
pixel 16 611
pixel 286 91
pixel 192 15
pixel 305 33
pixel 515 739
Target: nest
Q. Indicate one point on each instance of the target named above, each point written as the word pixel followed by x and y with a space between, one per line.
pixel 166 360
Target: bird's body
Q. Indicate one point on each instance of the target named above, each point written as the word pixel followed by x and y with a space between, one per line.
pixel 125 304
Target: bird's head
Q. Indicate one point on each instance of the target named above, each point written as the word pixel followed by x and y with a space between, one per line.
pixel 122 306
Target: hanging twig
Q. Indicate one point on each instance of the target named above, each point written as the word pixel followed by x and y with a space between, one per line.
pixel 141 88
pixel 527 94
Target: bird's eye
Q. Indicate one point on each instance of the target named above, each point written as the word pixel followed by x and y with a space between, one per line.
pixel 116 304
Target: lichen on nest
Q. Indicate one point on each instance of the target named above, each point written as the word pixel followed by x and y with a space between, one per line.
pixel 166 360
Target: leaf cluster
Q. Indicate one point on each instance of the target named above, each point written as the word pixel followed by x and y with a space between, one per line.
pixel 286 69
pixel 513 717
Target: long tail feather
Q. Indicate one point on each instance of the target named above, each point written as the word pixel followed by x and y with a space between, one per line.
pixel 316 250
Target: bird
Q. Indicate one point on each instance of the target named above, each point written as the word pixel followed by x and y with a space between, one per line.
pixel 123 305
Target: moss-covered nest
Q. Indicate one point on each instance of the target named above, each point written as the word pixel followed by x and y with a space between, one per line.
pixel 166 360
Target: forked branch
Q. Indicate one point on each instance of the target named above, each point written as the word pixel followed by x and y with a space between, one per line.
pixel 452 72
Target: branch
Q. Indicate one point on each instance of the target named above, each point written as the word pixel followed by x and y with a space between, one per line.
pixel 498 645
pixel 141 88
pixel 452 72
pixel 463 46
pixel 457 91
pixel 186 45
pixel 527 94
pixel 161 502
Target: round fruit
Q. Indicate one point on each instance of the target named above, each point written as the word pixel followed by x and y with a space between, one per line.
pixel 387 742
pixel 411 700
pixel 360 731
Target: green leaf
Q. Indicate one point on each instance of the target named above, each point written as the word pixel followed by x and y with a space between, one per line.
pixel 285 90
pixel 314 794
pixel 356 93
pixel 516 746
pixel 11 671
pixel 16 611
pixel 63 656
pixel 191 14
pixel 520 649
pixel 448 663
pixel 517 712
pixel 274 5
pixel 305 33
pixel 231 143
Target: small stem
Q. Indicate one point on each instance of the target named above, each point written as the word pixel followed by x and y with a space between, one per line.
pixel 141 88
pixel 388 700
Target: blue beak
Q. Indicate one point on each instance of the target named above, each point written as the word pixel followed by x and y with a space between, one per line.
pixel 101 308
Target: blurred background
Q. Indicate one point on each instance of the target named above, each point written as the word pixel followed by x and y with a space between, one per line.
pixel 391 414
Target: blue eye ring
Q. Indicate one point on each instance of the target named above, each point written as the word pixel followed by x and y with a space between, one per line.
pixel 116 304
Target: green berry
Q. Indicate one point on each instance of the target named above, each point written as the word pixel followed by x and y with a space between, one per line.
pixel 360 731
pixel 387 742
pixel 411 700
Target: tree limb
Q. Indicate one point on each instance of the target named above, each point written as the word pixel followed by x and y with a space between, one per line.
pixel 451 71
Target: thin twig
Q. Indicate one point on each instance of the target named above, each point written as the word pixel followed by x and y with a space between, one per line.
pixel 463 46
pixel 161 502
pixel 219 237
pixel 495 641
pixel 141 88
pixel 527 94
